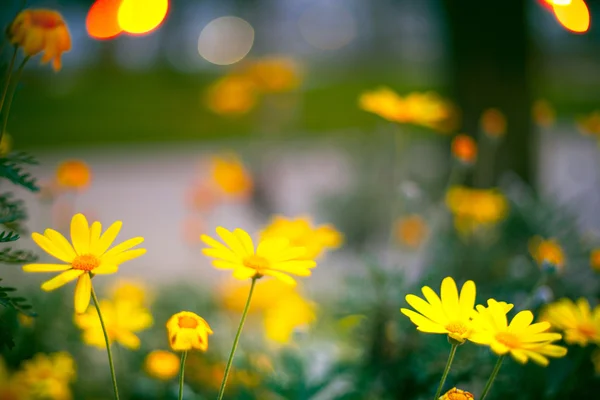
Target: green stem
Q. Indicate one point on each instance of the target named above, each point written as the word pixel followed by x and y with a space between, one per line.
pixel 181 374
pixel 7 79
pixel 446 371
pixel 488 385
pixel 236 340
pixel 110 359
pixel 11 96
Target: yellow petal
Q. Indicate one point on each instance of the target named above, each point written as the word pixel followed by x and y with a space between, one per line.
pixel 521 321
pixel 245 240
pixel 95 231
pixel 435 314
pixel 80 234
pixel 120 258
pixel 46 267
pixel 423 324
pixel 49 247
pixel 243 273
pixel 128 339
pixel 285 278
pixel 83 292
pixel 61 242
pixel 222 264
pixel 106 269
pixel 449 296
pixel 300 268
pixel 225 254
pixel 232 241
pixel 61 279
pixel 467 299
pixel 126 245
pixel 107 239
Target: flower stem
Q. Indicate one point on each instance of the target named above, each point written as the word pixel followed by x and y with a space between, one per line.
pixel 236 340
pixel 7 79
pixel 110 359
pixel 12 94
pixel 181 373
pixel 446 370
pixel 488 385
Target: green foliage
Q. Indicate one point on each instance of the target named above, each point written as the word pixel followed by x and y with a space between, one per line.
pixel 6 237
pixel 10 256
pixel 11 168
pixel 8 299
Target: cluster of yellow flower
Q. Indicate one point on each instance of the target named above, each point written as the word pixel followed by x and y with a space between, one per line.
pixel 239 92
pixel 45 376
pixel 475 208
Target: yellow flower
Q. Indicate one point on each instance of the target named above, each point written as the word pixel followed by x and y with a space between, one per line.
pixel 162 365
pixel 188 331
pixel 301 233
pixel 522 339
pixel 47 376
pixel 464 149
pixel 384 102
pixel 281 306
pixel 411 230
pixel 89 255
pixel 457 394
pixel 123 319
pixel 543 113
pixel 37 30
pixel 10 388
pixel 5 144
pixel 274 257
pixel 493 123
pixel 450 314
pixel 580 324
pixel 231 95
pixel 595 260
pixel 547 253
pixel 25 320
pixel 230 176
pixel 589 124
pixel 129 291
pixel 273 74
pixel 474 208
pixel 73 174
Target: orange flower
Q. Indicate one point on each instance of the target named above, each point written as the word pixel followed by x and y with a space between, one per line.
pixel 74 174
pixel 493 123
pixel 547 253
pixel 464 149
pixel 274 74
pixel 188 331
pixel 37 30
pixel 411 230
pixel 457 394
pixel 595 260
pixel 231 95
pixel 230 175
pixel 161 364
pixel 543 113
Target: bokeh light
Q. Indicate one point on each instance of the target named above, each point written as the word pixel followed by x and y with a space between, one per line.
pixel 138 17
pixel 574 16
pixel 327 26
pixel 226 40
pixel 101 21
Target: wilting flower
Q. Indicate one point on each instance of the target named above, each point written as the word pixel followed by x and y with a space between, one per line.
pixel 122 319
pixel 411 230
pixel 37 30
pixel 595 260
pixel 425 109
pixel 522 339
pixel 5 144
pixel 188 331
pixel 88 255
pixel 543 113
pixel 282 307
pixel 161 364
pixel 580 324
pixel 73 174
pixel 457 394
pixel 589 124
pixel 547 253
pixel 231 95
pixel 273 74
pixel 47 376
pixel 493 123
pixel 230 176
pixel 450 315
pixel 274 257
pixel 474 208
pixel 464 149
pixel 301 233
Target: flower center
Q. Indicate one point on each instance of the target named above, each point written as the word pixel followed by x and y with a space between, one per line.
pixel 187 322
pixel 587 330
pixel 508 339
pixel 457 328
pixel 85 262
pixel 256 262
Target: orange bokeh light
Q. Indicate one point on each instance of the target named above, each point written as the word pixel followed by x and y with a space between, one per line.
pixel 574 16
pixel 101 21
pixel 138 17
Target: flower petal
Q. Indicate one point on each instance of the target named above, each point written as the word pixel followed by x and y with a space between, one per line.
pixel 521 321
pixel 61 279
pixel 83 292
pixel 49 247
pixel 106 240
pixel 106 269
pixel 80 234
pixel 245 239
pixel 120 258
pixel 46 267
pixel 126 245
pixel 449 296
pixel 285 278
pixel 232 241
pixel 61 242
pixel 467 299
pixel 243 273
pixel 95 231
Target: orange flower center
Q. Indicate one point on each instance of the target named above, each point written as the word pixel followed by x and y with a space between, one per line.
pixel 587 330
pixel 256 262
pixel 86 262
pixel 508 339
pixel 457 328
pixel 457 394
pixel 45 20
pixel 188 322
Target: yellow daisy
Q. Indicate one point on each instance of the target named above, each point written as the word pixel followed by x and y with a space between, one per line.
pixel 522 339
pixel 188 331
pixel 547 253
pixel 89 255
pixel 274 256
pixel 580 324
pixel 451 314
pixel 457 394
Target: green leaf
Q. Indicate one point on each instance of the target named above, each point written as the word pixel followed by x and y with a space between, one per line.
pixel 17 303
pixel 11 169
pixel 10 256
pixel 8 237
pixel 11 211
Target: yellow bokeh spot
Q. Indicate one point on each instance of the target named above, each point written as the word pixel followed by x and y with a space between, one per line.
pixel 574 16
pixel 138 17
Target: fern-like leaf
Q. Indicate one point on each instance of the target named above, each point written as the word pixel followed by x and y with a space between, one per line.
pixel 11 169
pixel 11 210
pixel 8 237
pixel 7 299
pixel 9 256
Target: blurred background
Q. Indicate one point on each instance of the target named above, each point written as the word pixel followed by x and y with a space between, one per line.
pixel 185 115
